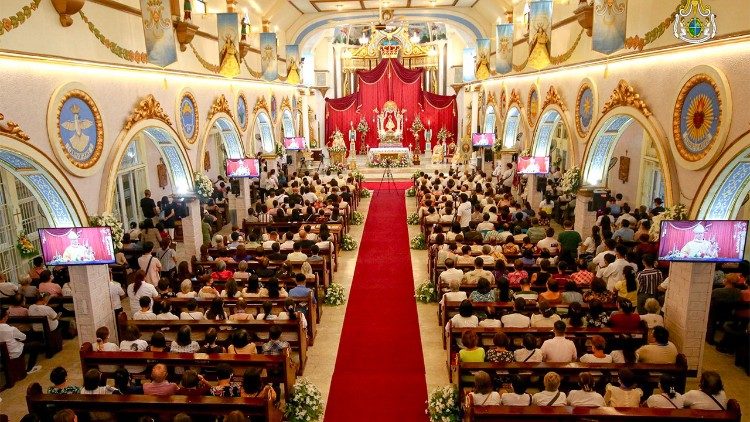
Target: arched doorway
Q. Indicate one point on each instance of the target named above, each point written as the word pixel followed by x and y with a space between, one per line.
pixel 34 193
pixel 262 134
pixel 146 151
pixel 552 138
pixel 222 141
pixel 723 195
pixel 628 155
pixel 512 129
pixel 490 119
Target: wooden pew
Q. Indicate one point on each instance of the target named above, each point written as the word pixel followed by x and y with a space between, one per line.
pixel 52 340
pixel 260 329
pixel 328 263
pixel 14 370
pixel 281 364
pixel 579 336
pixel 130 407
pixel 602 414
pixel 644 372
pixel 312 310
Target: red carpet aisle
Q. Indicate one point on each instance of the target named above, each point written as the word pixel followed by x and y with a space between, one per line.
pixel 379 373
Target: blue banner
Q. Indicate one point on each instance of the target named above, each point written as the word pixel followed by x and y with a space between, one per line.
pixel 504 48
pixel 468 68
pixel 268 66
pixel 157 30
pixel 610 19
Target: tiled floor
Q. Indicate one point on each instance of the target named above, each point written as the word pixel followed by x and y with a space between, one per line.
pixel 322 357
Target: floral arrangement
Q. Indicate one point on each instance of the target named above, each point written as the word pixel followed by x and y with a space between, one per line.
pixel 443 405
pixel 338 142
pixel 305 404
pixel 375 161
pixel 334 295
pixel 412 219
pixel 497 146
pixel 426 293
pixel 525 153
pixel 365 193
pixel 279 149
pixel 418 242
pixel 203 186
pixel 571 180
pixel 362 126
pixel 108 220
pixel 336 167
pixel 25 247
pixel 411 192
pixel 348 244
pixel 416 127
pixel 443 134
pixel 417 174
pixel 677 212
pixel 357 176
pixel 357 218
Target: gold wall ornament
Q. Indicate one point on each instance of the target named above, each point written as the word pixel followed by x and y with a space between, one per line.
pixel 285 103
pixel 187 117
pixel 116 49
pixel 147 108
pixel 532 104
pixel 625 95
pixel 515 98
pixel 553 98
pixel 19 18
pixel 65 8
pixel 185 32
pixel 12 130
pixel 75 129
pixel 260 104
pixel 220 105
pixel 491 99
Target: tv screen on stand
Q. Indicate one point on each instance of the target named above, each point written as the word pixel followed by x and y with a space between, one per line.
pixel 702 240
pixel 77 246
pixel 243 167
pixel 294 144
pixel 483 140
pixel 533 165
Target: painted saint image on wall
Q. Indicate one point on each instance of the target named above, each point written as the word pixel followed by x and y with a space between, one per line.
pixel 229 37
pixel 421 30
pixel 268 54
pixel 438 31
pixel 610 19
pixel 540 32
pixel 158 33
pixel 293 64
pixel 504 48
pixel 341 34
pixel 482 65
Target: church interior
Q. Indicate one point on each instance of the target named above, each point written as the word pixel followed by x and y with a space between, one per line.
pixel 374 210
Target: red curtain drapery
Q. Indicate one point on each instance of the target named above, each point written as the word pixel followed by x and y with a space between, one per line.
pixel 391 81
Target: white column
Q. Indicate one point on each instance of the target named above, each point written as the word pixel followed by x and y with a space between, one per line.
pixel 532 195
pixel 242 202
pixel 305 117
pixel 686 308
pixel 584 219
pixel 474 111
pixel 338 75
pixel 192 232
pixel 93 308
pixel 505 158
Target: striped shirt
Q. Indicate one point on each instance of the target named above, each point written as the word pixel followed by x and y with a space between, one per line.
pixel 649 280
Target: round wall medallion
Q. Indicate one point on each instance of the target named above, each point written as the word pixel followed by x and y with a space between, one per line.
pixel 532 105
pixel 75 129
pixel 242 112
pixel 585 107
pixel 698 127
pixel 187 118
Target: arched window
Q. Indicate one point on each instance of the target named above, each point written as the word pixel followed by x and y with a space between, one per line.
pixel 489 120
pixel 287 123
pixel 264 132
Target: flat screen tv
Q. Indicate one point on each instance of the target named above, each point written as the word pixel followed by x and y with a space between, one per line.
pixel 483 140
pixel 77 246
pixel 702 240
pixel 243 167
pixel 294 144
pixel 533 165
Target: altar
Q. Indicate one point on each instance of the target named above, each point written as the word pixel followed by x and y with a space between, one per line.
pixel 397 156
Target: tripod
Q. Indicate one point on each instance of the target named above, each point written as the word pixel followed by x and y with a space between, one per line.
pixel 387 178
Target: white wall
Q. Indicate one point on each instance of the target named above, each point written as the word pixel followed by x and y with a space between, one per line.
pixel 629 145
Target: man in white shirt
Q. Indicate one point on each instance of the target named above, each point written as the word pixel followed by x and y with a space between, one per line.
pixel 473 276
pixel 450 273
pixel 485 225
pixel 516 319
pixel 116 294
pixel 464 212
pixel 613 272
pixel 7 289
pixel 558 348
pixel 549 243
pixel 610 249
pixel 508 175
pixel 272 238
pixel 297 255
pixel 150 264
pixel 626 216
pixel 40 308
pixel 13 339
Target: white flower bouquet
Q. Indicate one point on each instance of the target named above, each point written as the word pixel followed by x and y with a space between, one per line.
pixel 525 153
pixel 338 142
pixel 365 193
pixel 443 405
pixel 411 192
pixel 204 188
pixel 348 244
pixel 357 176
pixel 109 220
pixel 357 218
pixel 426 293
pixel 571 180
pixel 334 295
pixel 25 248
pixel 305 404
pixel 443 134
pixel 677 212
pixel 375 161
pixel 412 219
pixel 418 242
